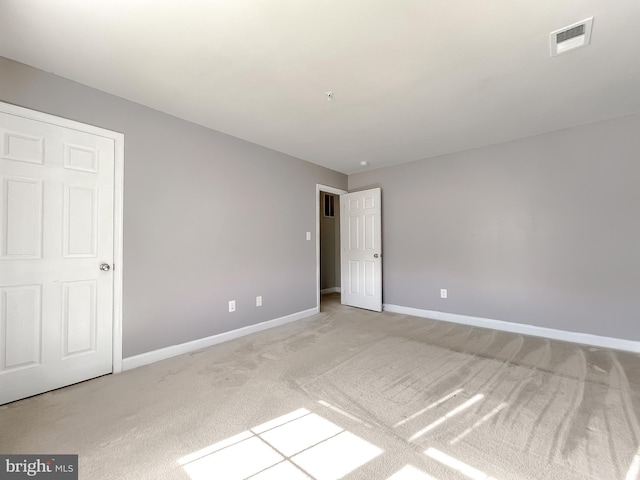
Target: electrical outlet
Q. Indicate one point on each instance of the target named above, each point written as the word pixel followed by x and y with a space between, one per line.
pixel 259 301
pixel 443 293
pixel 308 236
pixel 232 305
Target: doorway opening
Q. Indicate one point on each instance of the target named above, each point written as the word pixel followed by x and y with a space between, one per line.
pixel 328 244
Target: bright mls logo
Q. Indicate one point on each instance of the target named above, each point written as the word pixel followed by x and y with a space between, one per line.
pixel 51 467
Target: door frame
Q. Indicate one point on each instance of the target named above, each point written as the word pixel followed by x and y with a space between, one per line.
pixel 118 197
pixel 334 191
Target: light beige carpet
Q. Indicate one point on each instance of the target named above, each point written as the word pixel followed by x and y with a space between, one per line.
pixel 351 394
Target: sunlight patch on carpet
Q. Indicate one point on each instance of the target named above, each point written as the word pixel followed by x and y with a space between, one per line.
pixel 409 472
pixel 299 445
pixel 484 419
pixel 444 418
pixel 458 465
pixel 426 409
pixel 634 469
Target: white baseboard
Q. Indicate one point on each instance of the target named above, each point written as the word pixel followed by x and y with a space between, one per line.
pixel 174 350
pixel 583 338
pixel 330 290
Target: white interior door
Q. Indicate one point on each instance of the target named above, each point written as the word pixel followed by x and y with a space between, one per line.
pixel 56 225
pixel 361 249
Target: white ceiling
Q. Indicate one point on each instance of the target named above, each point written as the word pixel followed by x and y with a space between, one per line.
pixel 411 79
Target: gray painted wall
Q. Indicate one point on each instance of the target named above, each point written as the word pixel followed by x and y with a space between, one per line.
pixel 207 217
pixel 542 231
pixel 329 245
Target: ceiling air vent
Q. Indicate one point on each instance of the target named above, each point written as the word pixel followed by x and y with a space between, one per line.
pixel 571 37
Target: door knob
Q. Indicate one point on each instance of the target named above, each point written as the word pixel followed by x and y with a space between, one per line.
pixel 375 255
pixel 105 267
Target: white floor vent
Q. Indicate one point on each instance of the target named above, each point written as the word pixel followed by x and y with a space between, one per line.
pixel 569 38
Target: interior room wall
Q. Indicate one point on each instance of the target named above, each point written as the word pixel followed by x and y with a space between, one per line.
pixel 337 265
pixel 542 231
pixel 208 218
pixel 329 245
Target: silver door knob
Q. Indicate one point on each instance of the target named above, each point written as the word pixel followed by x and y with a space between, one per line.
pixel 375 255
pixel 105 267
